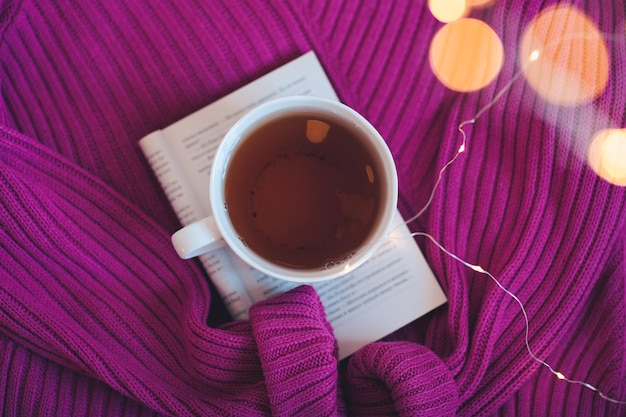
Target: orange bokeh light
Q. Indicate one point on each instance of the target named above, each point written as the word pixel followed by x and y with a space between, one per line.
pixel 466 55
pixel 564 57
pixel 607 155
pixel 480 3
pixel 448 10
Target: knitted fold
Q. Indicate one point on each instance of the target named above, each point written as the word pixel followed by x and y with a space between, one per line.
pixel 399 378
pixel 99 317
pixel 71 294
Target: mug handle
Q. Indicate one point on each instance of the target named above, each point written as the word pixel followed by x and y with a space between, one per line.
pixel 197 238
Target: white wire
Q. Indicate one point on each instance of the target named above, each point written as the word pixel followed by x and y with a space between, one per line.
pixel 479 268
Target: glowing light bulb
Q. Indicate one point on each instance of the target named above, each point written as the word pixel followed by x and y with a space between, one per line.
pixel 573 66
pixel 607 155
pixel 466 55
pixel 447 10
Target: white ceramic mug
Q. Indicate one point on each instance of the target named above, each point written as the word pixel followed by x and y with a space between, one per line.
pixel 215 230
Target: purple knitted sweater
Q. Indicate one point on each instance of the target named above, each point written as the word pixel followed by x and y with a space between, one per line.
pixel 99 317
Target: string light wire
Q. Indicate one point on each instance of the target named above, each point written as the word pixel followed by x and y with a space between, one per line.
pixel 534 55
pixel 463 145
pixel 480 269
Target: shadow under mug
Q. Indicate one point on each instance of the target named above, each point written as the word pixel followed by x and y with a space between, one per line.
pixel 213 231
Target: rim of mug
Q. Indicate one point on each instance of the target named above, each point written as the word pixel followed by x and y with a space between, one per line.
pixel 259 115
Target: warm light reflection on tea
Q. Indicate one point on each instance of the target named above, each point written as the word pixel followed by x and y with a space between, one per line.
pixel 607 155
pixel 564 57
pixel 369 171
pixel 466 55
pixel 448 10
pixel 316 130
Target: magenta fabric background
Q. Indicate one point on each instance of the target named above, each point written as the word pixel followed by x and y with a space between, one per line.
pixel 99 317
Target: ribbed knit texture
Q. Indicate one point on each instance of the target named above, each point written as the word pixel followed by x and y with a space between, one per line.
pixel 98 316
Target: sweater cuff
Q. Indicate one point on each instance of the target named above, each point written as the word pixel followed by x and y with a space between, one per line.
pixel 298 354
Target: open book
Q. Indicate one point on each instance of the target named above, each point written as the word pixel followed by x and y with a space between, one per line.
pixel 393 288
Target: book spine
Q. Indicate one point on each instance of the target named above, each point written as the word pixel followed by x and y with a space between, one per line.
pixel 217 263
pixel 172 181
pixel 227 282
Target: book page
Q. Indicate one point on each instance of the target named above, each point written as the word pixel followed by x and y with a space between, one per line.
pixel 181 157
pixel 198 135
pixel 393 288
pixel 390 290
